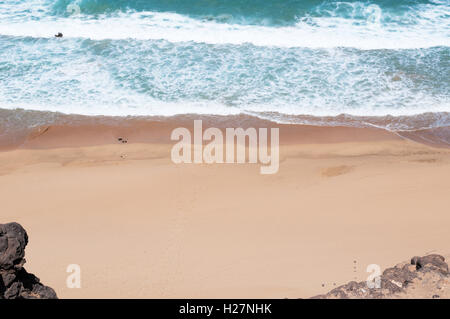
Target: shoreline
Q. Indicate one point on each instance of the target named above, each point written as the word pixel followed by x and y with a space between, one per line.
pixel 78 131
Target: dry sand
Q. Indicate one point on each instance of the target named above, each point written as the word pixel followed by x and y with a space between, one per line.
pixel 141 226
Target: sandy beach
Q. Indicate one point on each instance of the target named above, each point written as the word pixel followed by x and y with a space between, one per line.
pixel 141 226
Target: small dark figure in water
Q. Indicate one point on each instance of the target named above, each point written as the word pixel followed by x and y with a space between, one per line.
pixel 59 35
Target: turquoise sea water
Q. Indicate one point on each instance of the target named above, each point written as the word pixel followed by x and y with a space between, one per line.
pixel 273 59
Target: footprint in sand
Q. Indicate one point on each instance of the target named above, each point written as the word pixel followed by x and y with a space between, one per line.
pixel 336 170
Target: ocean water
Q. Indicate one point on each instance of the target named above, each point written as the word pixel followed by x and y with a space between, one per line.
pixel 286 60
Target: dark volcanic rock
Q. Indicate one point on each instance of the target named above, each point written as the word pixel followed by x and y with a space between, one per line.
pixel 395 281
pixel 396 278
pixel 431 263
pixel 15 281
pixel 13 239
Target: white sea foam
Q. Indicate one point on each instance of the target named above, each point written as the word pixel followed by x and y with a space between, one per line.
pixel 431 27
pixel 139 78
pixel 159 108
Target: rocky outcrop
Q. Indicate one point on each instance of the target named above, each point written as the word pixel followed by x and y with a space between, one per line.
pixel 423 277
pixel 431 263
pixel 15 281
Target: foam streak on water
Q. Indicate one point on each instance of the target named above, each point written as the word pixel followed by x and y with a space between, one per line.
pixel 354 25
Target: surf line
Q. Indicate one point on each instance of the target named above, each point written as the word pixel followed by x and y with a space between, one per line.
pixel 213 152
